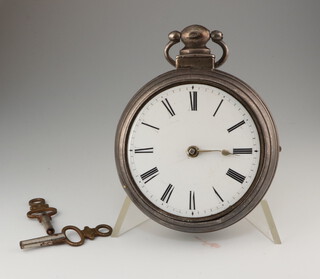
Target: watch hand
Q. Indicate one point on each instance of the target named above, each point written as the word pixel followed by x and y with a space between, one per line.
pixel 223 151
pixel 208 150
pixel 193 151
pixel 226 152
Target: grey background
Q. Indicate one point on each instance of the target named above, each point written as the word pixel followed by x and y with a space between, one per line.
pixel 67 70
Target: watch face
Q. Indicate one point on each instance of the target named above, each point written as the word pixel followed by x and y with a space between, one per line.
pixel 193 150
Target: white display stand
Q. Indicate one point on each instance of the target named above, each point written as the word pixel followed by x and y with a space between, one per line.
pixel 260 218
pixel 129 217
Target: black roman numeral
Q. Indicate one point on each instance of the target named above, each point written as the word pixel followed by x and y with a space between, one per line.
pixel 242 150
pixel 168 106
pixel 193 100
pixel 236 126
pixel 144 150
pixel 148 125
pixel 236 176
pixel 217 108
pixel 150 174
pixel 167 193
pixel 192 200
pixel 215 191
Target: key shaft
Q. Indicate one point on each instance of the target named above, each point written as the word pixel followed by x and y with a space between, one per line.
pixel 43 241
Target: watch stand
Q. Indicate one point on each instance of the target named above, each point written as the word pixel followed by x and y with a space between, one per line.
pixel 260 218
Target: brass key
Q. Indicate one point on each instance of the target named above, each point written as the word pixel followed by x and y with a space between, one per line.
pixel 40 210
pixel 61 238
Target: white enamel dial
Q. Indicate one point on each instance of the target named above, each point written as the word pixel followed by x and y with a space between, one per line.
pixel 193 150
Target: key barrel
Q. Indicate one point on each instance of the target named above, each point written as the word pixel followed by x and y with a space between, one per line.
pixel 43 241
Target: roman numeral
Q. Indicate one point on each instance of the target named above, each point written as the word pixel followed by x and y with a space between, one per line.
pixel 192 200
pixel 215 191
pixel 217 108
pixel 168 106
pixel 150 174
pixel 236 176
pixel 167 193
pixel 242 150
pixel 144 150
pixel 236 126
pixel 193 100
pixel 148 125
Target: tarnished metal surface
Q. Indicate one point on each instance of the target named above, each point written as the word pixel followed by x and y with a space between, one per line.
pixel 198 73
pixel 195 54
pixel 60 238
pixel 40 210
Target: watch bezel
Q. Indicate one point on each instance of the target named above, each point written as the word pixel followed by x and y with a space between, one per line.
pixel 269 147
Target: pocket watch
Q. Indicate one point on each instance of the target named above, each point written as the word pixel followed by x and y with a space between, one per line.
pixel 196 148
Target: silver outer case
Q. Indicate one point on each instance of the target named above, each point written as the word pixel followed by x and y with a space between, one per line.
pixel 268 142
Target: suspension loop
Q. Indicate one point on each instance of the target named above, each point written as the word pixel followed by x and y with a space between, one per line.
pixel 174 38
pixel 217 37
pixel 195 54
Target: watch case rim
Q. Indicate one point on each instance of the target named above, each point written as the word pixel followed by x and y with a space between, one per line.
pixel 268 144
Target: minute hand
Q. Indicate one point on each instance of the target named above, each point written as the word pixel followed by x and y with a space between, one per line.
pixel 223 151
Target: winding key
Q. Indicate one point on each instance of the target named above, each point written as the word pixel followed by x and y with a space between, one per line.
pixel 40 210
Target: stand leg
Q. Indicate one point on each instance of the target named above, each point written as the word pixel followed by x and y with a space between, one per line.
pixel 129 217
pixel 261 218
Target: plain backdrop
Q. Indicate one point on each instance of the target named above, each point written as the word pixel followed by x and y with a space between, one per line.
pixel 68 69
